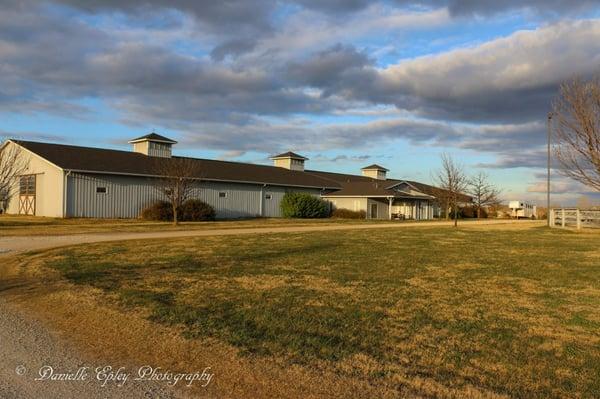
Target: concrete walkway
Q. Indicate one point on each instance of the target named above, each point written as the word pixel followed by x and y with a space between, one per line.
pixel 18 244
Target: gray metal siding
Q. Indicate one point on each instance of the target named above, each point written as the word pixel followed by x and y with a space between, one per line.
pixel 241 200
pixel 126 196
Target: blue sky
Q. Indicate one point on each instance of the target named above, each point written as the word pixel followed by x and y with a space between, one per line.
pixel 346 83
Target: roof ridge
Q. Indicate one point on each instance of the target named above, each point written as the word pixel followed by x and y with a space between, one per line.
pixel 174 156
pixel 75 146
pixel 111 161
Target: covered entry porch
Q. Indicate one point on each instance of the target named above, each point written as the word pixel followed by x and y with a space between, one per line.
pixel 400 208
pixel 387 207
pixel 411 208
pixel 398 200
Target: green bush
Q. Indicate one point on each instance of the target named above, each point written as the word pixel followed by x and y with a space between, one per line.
pixel 160 210
pixel 343 213
pixel 194 210
pixel 302 205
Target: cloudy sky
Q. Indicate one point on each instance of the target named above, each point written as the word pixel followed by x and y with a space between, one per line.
pixel 344 82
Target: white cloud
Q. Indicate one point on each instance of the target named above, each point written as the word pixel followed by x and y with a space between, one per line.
pixel 510 78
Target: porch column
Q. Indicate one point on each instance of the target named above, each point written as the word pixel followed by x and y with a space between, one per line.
pixel 391 201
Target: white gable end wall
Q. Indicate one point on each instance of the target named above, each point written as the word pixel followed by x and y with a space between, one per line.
pixel 49 186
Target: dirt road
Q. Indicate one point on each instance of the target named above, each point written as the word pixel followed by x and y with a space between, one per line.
pixel 13 245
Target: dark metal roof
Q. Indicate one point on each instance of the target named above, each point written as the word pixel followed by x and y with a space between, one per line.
pixel 99 160
pixel 290 154
pixel 105 161
pixel 346 181
pixel 435 191
pixel 154 137
pixel 339 177
pixel 363 189
pixel 375 167
pixel 373 188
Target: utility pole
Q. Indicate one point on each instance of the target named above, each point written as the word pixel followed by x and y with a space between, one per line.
pixel 550 114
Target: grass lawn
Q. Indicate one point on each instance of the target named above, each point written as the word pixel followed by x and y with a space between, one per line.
pixel 434 312
pixel 33 225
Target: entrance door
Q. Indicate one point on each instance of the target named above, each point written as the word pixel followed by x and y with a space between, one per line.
pixel 373 211
pixel 27 195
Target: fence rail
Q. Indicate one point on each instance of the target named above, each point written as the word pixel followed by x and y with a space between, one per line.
pixel 574 217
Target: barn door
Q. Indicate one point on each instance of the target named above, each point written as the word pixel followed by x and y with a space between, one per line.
pixel 373 211
pixel 27 195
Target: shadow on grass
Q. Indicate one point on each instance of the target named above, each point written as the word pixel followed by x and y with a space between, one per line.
pixel 278 321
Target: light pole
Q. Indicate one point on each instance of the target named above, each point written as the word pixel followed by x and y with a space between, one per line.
pixel 550 114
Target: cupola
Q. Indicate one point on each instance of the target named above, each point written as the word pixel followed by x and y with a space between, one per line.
pixel 153 145
pixel 375 172
pixel 289 160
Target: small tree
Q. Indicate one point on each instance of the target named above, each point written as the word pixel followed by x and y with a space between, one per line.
pixel 452 179
pixel 12 165
pixel 576 126
pixel 176 181
pixel 483 192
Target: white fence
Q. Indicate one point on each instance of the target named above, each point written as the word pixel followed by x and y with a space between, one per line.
pixel 573 217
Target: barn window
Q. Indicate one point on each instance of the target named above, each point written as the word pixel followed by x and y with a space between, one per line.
pixel 27 185
pixel 101 190
pixel 222 194
pixel 268 196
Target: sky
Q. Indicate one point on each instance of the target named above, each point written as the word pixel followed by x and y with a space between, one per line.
pixel 346 83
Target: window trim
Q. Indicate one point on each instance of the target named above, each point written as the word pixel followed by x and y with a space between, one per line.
pixel 30 183
pixel 100 188
pixel 222 194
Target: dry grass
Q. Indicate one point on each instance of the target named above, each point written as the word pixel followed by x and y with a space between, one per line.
pixel 425 312
pixel 33 225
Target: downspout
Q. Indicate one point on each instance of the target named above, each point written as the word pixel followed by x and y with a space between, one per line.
pixel 262 199
pixel 66 180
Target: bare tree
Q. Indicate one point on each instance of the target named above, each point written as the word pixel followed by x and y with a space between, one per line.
pixel 576 127
pixel 452 179
pixel 482 191
pixel 442 199
pixel 12 165
pixel 176 181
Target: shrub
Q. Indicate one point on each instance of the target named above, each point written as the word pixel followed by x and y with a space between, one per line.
pixel 160 210
pixel 470 212
pixel 302 205
pixel 194 210
pixel 343 213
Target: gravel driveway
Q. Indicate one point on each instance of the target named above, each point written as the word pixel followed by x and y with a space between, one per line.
pixel 26 347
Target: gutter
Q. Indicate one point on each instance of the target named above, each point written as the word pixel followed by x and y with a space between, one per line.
pixel 200 178
pixel 262 199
